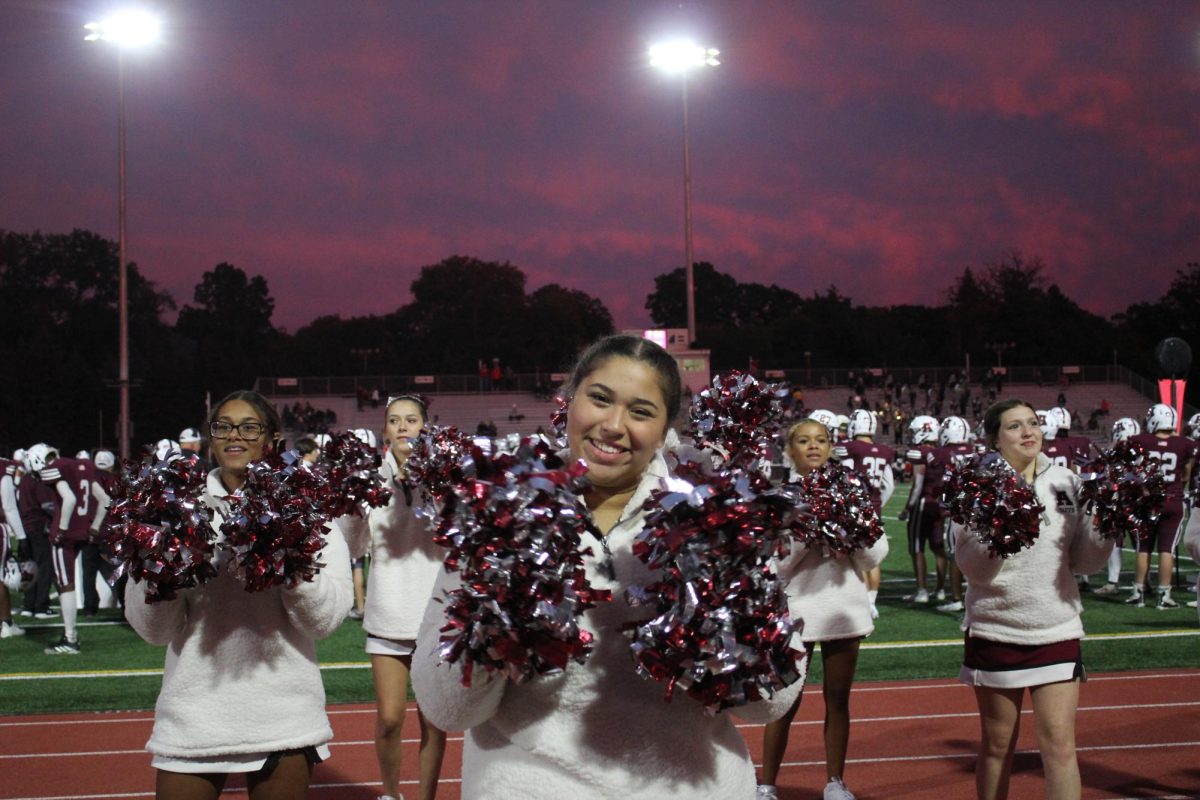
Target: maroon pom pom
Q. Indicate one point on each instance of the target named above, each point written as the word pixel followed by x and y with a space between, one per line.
pixel 350 468
pixel 985 494
pixel 835 510
pixel 739 417
pixel 1125 488
pixel 440 461
pixel 157 530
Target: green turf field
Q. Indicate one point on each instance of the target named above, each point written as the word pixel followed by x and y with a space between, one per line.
pixel 116 670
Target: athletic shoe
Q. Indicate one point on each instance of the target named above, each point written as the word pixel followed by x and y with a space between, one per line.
pixel 1136 600
pixel 10 629
pixel 766 792
pixel 953 605
pixel 836 790
pixel 940 596
pixel 1106 589
pixel 922 596
pixel 25 612
pixel 44 615
pixel 355 614
pixel 63 647
pixel 1165 601
pixel 1191 603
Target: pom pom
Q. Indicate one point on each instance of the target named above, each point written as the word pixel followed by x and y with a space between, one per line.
pixel 274 522
pixel 985 494
pixel 721 627
pixel 513 527
pixel 157 530
pixel 350 468
pixel 738 417
pixel 835 510
pixel 1125 488
pixel 440 462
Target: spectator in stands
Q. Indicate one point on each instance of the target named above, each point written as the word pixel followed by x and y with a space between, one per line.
pixel 485 376
pixel 514 414
pixel 497 375
pixel 827 591
pixel 404 565
pixel 242 690
pixel 1022 621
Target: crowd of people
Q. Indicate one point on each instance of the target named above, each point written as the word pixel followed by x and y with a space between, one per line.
pixel 242 690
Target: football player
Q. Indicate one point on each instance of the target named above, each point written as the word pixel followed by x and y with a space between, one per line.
pixel 91 552
pixel 79 505
pixel 954 438
pixel 874 461
pixel 1174 455
pixel 1060 446
pixel 11 521
pixel 1122 429
pixel 924 519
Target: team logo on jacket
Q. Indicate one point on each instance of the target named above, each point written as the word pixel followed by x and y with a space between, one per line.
pixel 1064 502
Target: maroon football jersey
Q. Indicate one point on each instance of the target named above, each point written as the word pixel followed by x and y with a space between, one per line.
pixel 871 459
pixel 1173 454
pixel 939 464
pixel 79 475
pixel 1067 451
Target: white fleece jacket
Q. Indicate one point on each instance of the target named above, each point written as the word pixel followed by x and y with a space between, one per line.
pixel 404 564
pixel 828 593
pixel 1032 597
pixel 597 730
pixel 241 671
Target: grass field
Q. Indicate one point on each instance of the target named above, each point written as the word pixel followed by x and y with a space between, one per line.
pixel 117 670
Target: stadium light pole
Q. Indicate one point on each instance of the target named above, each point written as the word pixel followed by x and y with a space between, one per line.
pixel 127 30
pixel 679 57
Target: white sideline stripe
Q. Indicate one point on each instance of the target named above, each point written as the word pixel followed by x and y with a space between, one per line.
pixel 242 791
pixel 459 738
pixel 893 759
pixel 144 673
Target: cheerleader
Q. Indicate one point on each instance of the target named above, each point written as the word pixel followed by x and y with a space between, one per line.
pixel 827 591
pixel 597 730
pixel 404 565
pixel 1022 619
pixel 241 690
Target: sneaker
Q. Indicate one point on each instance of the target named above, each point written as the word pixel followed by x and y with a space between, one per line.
pixel 25 612
pixel 940 596
pixel 922 596
pixel 1106 589
pixel 63 647
pixel 356 614
pixel 836 790
pixel 766 792
pixel 1165 601
pixel 1191 603
pixel 1136 600
pixel 953 605
pixel 10 629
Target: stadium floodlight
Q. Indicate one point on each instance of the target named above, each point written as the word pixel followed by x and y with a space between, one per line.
pixel 127 29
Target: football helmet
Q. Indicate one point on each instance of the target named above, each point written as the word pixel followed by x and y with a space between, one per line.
pixel 1193 427
pixel 18 576
pixel 825 417
pixel 367 437
pixel 19 456
pixel 38 456
pixel 105 459
pixel 1161 417
pixel 843 426
pixel 321 439
pixel 922 429
pixel 1048 430
pixel 954 430
pixel 84 455
pixel 189 435
pixel 1059 418
pixel 165 448
pixel 1125 427
pixel 862 423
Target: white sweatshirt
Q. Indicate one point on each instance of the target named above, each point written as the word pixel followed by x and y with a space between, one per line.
pixel 596 730
pixel 404 564
pixel 827 593
pixel 241 672
pixel 1032 597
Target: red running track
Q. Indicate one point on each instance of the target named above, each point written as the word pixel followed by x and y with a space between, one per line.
pixel 1138 735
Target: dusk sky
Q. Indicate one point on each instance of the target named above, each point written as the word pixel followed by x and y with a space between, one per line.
pixel 336 148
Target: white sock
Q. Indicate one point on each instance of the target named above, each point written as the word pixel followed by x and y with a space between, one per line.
pixel 1114 565
pixel 67 601
pixel 872 594
pixel 1165 593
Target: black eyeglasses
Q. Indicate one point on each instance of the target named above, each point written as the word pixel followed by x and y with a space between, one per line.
pixel 246 430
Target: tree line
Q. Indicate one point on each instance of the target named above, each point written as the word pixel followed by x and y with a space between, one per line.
pixel 58 322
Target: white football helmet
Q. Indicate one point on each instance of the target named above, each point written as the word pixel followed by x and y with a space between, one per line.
pixel 367 437
pixel 1048 430
pixel 189 436
pixel 1161 417
pixel 1193 427
pixel 165 448
pixel 954 430
pixel 843 426
pixel 1059 418
pixel 825 417
pixel 84 455
pixel 38 456
pixel 862 423
pixel 1125 427
pixel 18 576
pixel 922 429
pixel 321 439
pixel 19 456
pixel 105 459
